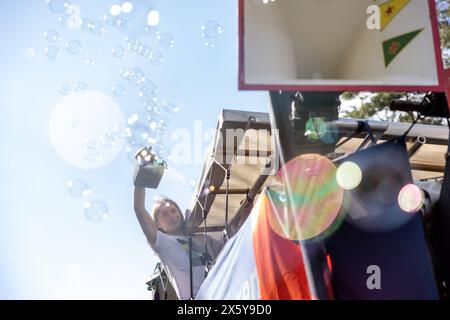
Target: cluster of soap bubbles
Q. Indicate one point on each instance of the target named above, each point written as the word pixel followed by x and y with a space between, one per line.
pixel 92 152
pixel 73 47
pixel 145 128
pixel 52 51
pixel 95 210
pixel 118 15
pixel 119 90
pixel 95 148
pixel 66 89
pixel 148 91
pixel 110 137
pixel 71 17
pixel 93 26
pixel 211 30
pixel 132 16
pixel 148 126
pixel 52 36
pixel 134 45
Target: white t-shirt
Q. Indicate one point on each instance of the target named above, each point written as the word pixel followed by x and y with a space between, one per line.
pixel 173 251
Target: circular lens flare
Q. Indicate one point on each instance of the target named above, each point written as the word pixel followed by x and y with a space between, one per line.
pixel 348 175
pixel 307 199
pixel 411 198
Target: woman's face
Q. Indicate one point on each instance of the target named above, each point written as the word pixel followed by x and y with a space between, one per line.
pixel 169 218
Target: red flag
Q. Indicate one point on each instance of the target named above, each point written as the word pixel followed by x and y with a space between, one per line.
pixel 279 261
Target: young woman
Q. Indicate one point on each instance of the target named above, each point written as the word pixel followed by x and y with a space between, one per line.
pixel 165 231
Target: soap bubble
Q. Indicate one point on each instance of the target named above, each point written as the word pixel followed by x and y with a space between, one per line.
pixel 148 88
pixel 111 137
pixel 119 90
pixel 52 53
pixel 133 43
pixel 90 62
pixel 57 6
pixel 92 153
pixel 152 31
pixel 87 24
pixel 136 76
pixel 96 210
pixel 158 124
pixel 145 51
pixel 64 89
pixel 166 40
pixel 169 106
pixel 119 52
pixel 73 46
pixel 74 123
pixel 112 20
pixel 152 106
pixel 81 87
pixel 124 23
pixel 78 188
pixel 211 30
pixel 157 58
pixel 97 28
pixel 52 35
pixel 138 131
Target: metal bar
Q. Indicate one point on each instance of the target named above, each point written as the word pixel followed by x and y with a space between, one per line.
pixel 418 143
pixel 232 191
pixel 208 229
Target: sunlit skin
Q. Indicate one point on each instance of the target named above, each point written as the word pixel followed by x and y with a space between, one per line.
pixel 169 219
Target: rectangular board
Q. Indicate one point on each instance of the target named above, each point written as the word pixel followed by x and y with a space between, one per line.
pixel 327 45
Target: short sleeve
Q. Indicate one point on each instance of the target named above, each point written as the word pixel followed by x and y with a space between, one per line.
pixel 159 242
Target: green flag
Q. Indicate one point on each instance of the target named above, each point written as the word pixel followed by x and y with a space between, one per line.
pixel 392 47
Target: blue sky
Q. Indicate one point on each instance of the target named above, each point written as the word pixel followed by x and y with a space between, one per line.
pixel 48 249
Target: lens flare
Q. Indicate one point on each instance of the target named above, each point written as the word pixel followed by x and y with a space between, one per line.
pixel 348 175
pixel 115 10
pixel 306 198
pixel 411 198
pixel 127 7
pixel 153 18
